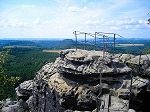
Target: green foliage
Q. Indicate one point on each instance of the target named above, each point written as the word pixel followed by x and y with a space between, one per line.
pixel 7 84
pixel 25 62
pixel 18 64
pixel 147 51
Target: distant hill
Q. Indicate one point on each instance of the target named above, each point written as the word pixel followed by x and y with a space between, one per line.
pixel 56 44
pixel 16 43
pixel 47 44
pixel 69 43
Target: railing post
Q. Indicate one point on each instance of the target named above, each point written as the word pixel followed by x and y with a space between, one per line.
pixel 85 42
pixel 95 40
pixel 75 33
pixel 114 44
pixel 103 46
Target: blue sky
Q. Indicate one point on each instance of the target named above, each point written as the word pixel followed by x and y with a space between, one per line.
pixel 59 18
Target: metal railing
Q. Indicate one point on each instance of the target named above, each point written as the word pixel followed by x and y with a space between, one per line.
pixel 103 36
pixel 105 40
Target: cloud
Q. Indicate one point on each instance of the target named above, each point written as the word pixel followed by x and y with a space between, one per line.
pixel 63 17
pixel 13 23
pixel 27 6
pixel 126 21
pixel 76 9
pixel 37 21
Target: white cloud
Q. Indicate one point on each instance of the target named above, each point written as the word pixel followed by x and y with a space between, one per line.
pixel 68 16
pixel 27 6
pixel 76 9
pixel 37 21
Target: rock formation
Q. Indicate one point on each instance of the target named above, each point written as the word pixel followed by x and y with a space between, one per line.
pixel 85 81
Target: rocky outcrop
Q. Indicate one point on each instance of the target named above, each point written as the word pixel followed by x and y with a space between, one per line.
pixel 25 89
pixel 140 64
pixel 14 106
pixel 84 81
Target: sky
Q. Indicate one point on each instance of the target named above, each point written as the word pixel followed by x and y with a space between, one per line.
pixel 59 18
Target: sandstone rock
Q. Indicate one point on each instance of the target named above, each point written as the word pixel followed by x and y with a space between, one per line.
pixel 73 82
pixel 1 104
pixel 44 99
pixel 143 59
pixel 71 93
pixel 126 57
pixel 131 110
pixel 118 104
pixel 25 88
pixel 12 108
pixel 96 64
pixel 8 102
pixel 139 82
pixel 19 106
pixel 30 101
pixel 147 72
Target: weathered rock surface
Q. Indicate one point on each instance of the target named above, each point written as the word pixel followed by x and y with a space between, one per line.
pixel 25 88
pixel 13 106
pixel 75 80
pixel 91 62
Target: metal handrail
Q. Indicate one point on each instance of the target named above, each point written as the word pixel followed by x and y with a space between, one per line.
pixel 104 37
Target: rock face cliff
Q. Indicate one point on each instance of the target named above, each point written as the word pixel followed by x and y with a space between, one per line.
pixel 85 81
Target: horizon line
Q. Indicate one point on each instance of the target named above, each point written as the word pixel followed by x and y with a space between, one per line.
pixel 60 38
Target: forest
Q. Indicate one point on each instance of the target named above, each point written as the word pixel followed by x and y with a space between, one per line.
pixel 18 64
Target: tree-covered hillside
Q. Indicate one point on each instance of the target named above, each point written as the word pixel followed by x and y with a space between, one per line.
pixel 25 62
pixel 18 64
pixel 7 83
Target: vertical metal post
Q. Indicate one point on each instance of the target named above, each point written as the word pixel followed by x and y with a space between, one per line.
pixel 95 40
pixel 140 63
pixel 85 42
pixel 76 38
pixel 107 46
pixel 103 46
pixel 114 44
